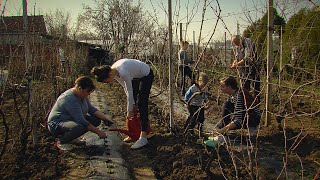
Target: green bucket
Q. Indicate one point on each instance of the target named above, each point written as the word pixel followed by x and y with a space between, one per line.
pixel 211 143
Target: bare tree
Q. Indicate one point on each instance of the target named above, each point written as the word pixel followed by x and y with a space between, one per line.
pixel 58 24
pixel 122 22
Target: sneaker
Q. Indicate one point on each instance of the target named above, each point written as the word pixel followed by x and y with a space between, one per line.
pixel 64 147
pixel 140 143
pixel 78 142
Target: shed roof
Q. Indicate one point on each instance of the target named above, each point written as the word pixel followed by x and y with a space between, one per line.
pixel 14 24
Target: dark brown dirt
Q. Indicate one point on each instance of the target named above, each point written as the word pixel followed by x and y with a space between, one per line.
pixel 44 161
pixel 175 156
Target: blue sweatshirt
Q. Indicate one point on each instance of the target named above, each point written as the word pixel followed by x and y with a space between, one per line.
pixel 69 107
pixel 199 99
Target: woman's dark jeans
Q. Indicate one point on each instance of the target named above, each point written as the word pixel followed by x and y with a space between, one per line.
pixel 141 91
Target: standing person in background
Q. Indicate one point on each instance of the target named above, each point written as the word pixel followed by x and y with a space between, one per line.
pixel 196 97
pixel 247 63
pixel 69 117
pixel 184 67
pixel 136 77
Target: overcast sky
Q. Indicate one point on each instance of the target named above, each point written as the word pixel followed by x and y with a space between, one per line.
pixel 232 12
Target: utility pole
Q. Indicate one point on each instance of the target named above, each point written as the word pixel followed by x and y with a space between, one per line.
pixel 225 48
pixel 194 46
pixel 26 33
pixel 238 28
pixel 280 65
pixel 28 73
pixel 181 32
pixel 269 62
pixel 170 62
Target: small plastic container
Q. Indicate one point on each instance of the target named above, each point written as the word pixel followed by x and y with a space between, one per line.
pixel 210 143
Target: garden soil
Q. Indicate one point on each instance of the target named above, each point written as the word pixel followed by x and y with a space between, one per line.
pixel 171 154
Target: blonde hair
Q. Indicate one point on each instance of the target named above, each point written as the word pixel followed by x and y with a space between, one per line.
pixel 204 76
pixel 184 44
pixel 236 39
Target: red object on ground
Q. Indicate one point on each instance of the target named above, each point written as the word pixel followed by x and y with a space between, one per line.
pixel 133 127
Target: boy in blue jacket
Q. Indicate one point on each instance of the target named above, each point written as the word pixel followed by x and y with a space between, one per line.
pixel 196 98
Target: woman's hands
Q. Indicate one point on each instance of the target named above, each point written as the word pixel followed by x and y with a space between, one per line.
pixel 104 117
pixel 134 111
pixel 97 131
pixel 129 114
pixel 230 126
pixel 101 134
pixel 107 120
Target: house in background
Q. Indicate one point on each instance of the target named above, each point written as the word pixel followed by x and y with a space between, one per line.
pixel 12 31
pixel 12 50
pixel 44 49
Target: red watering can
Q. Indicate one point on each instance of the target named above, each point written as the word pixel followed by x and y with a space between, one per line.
pixel 133 127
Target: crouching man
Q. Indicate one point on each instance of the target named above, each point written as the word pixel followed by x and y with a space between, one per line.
pixel 240 110
pixel 73 115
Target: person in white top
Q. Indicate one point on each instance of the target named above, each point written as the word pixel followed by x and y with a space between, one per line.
pixel 136 77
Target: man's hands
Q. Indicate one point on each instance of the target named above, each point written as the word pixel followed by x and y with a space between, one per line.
pixel 215 132
pixel 218 131
pixel 234 65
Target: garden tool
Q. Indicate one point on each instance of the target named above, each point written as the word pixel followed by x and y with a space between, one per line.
pixel 133 127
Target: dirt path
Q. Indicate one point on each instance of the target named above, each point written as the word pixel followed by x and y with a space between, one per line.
pixel 100 158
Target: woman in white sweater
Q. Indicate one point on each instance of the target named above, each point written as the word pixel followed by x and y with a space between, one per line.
pixel 136 77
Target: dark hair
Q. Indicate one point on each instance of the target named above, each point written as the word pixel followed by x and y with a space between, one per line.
pixel 231 82
pixel 85 82
pixel 101 72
